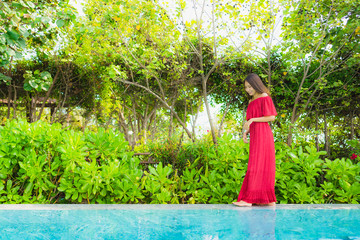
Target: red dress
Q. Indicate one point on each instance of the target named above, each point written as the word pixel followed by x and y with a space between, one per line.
pixel 259 181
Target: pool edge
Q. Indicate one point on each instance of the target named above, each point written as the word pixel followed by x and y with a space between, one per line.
pixel 168 206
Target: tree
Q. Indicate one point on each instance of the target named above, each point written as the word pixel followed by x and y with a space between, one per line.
pixel 209 30
pixel 316 33
pixel 139 49
pixel 27 28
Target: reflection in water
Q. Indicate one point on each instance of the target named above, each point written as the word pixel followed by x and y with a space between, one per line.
pixel 207 224
pixel 259 223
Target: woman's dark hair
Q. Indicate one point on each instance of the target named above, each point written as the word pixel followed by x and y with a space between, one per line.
pixel 255 81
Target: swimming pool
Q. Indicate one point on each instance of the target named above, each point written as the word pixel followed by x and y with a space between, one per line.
pixel 179 222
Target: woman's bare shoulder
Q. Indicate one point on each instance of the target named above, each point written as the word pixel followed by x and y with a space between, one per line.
pixel 264 95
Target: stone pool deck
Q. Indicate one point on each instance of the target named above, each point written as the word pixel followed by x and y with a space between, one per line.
pixel 168 206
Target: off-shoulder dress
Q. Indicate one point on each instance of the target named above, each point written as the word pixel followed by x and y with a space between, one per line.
pixel 259 182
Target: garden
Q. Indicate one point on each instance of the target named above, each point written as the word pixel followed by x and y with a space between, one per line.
pixel 100 101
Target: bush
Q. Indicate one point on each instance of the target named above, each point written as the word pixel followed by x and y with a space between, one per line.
pixel 43 163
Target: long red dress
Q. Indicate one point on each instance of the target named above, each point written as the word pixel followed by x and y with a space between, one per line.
pixel 259 181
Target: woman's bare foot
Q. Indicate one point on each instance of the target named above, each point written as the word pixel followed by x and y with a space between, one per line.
pixel 271 204
pixel 242 204
pixel 267 204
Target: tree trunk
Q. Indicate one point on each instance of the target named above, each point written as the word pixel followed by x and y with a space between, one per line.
pixel 352 133
pixel 9 89
pixel 133 135
pixel 165 104
pixel 170 125
pixel 14 102
pixel 294 118
pixel 145 122
pixel 326 136
pixel 269 69
pixel 329 142
pixel 52 111
pixel 139 127
pixel 134 123
pixel 124 126
pixel 56 109
pixel 289 136
pixel 194 117
pixel 207 106
pixel 223 118
pixel 317 129
pixel 9 102
pixel 153 124
pixel 171 119
pixel 134 131
pixel 48 94
pixel 30 108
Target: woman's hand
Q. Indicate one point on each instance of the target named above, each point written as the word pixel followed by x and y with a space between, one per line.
pixel 245 137
pixel 247 125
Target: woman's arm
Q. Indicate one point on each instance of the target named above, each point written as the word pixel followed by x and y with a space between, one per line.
pixel 259 119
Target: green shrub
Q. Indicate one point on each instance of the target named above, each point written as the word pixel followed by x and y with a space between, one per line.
pixel 298 174
pixel 43 163
pixel 342 181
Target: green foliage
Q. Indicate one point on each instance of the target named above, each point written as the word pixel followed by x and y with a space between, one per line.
pixel 30 24
pixel 43 163
pixel 343 180
pixel 298 174
pixel 39 81
pixel 5 78
pixel 214 175
pixel 29 163
pixel 160 186
pixel 120 58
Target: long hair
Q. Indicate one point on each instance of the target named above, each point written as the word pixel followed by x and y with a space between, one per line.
pixel 255 82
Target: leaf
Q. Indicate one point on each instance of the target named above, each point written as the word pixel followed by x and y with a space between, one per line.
pixel 9 185
pixel 33 84
pixel 16 5
pixel 45 87
pixel 27 87
pixel 357 30
pixel 138 27
pixel 60 23
pixel 344 184
pixel 2 39
pixel 67 195
pixel 85 187
pixel 292 155
pixel 103 192
pixel 29 188
pixel 46 75
pixel 30 4
pixel 75 195
pixel 10 52
pixel 4 78
pixel 22 43
pixel 45 20
pixel 18 55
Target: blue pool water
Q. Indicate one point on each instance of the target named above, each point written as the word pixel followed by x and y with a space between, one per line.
pixel 205 222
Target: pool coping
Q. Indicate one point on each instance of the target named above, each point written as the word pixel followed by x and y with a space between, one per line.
pixel 169 206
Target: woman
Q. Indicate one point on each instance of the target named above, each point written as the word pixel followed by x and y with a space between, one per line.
pixel 259 182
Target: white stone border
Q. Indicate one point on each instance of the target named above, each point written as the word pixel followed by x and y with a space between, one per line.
pixel 169 206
